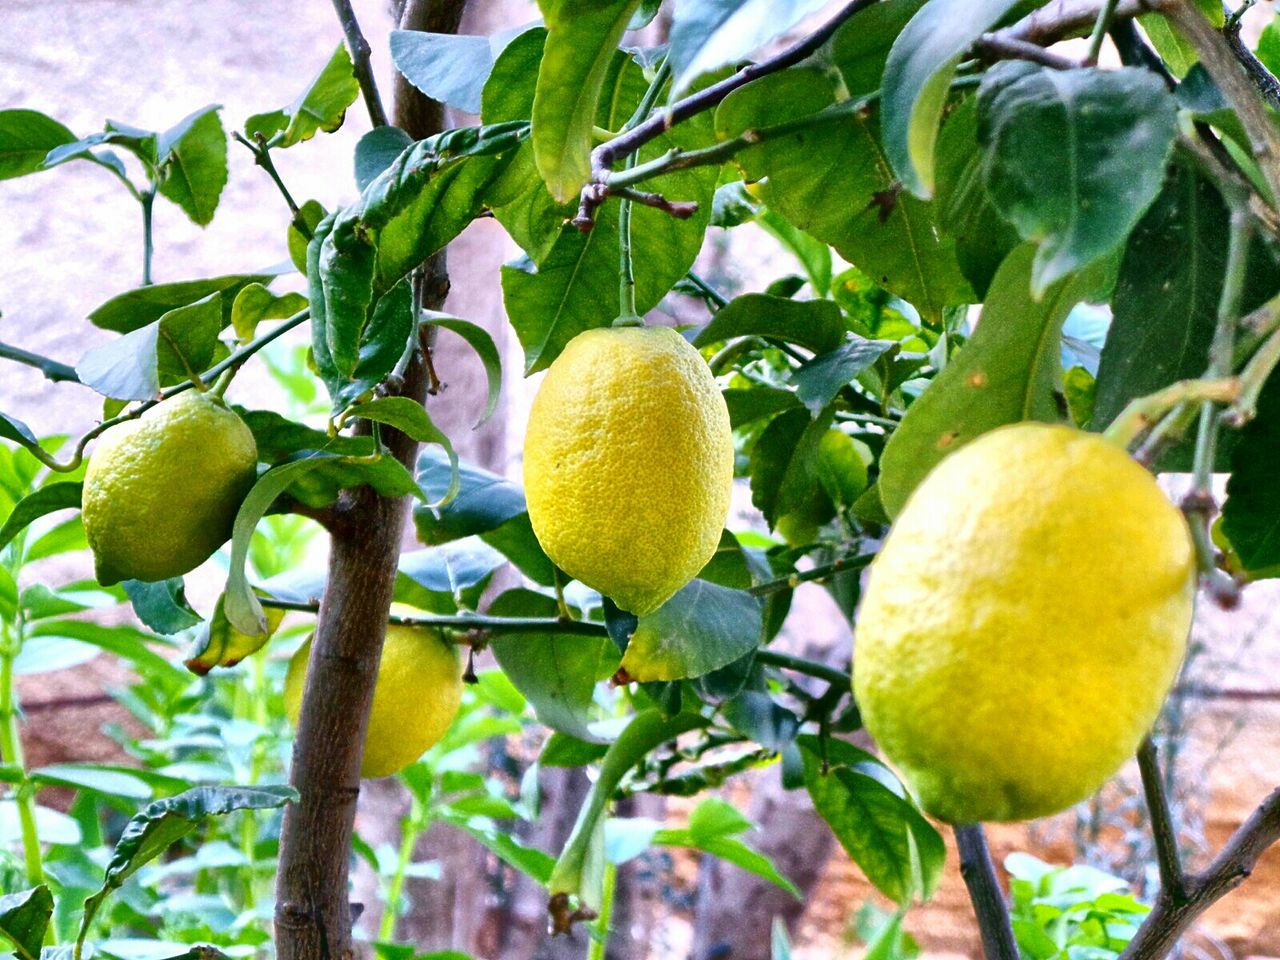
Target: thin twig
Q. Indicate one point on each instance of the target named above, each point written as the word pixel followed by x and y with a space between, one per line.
pixel 993 46
pixel 1172 879
pixel 1262 78
pixel 52 369
pixel 776 658
pixel 608 153
pixel 1100 28
pixel 360 52
pixel 979 874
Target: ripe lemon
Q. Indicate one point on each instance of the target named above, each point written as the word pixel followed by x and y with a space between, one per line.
pixel 415 698
pixel 628 463
pixel 1023 623
pixel 161 492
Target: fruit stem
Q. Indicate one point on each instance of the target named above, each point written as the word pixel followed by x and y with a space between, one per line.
pixel 147 198
pixel 979 874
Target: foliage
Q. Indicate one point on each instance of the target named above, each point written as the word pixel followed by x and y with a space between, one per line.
pixel 918 174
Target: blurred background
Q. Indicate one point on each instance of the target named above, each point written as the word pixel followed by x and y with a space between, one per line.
pixel 71 238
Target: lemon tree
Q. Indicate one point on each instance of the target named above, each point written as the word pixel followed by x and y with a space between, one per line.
pixel 1010 282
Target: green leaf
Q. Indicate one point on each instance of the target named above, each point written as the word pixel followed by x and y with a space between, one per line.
pixel 450 68
pixel 702 628
pixel 26 137
pixel 528 860
pixel 163 823
pixel 713 826
pixel 820 379
pixel 1251 512
pixel 162 606
pixel 24 917
pixel 860 48
pixel 748 405
pixel 321 106
pixel 983 238
pixel 708 34
pixel 644 733
pixel 1165 304
pixel 482 343
pixel 97 779
pixel 48 499
pixel 219 644
pixel 582 37
pixel 890 235
pixel 127 643
pixel 1005 373
pixel 377 150
pixel 137 308
pixel 1113 130
pixel 815 324
pixel 445 578
pixel 240 603
pixel 411 418
pixel 311 214
pixel 561 750
pixel 917 78
pixel 195 168
pixel 896 847
pixel 255 303
pixel 556 673
pixel 784 469
pixel 177 347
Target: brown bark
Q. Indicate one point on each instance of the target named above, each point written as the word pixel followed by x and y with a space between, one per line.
pixel 313 915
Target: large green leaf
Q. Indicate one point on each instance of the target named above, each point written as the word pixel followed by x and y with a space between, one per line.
pixel 896 847
pixel 321 106
pixel 572 875
pixel 917 77
pixel 157 827
pixel 139 307
pixel 557 673
pixel 451 68
pixel 1005 373
pixel 24 917
pixel 196 165
pixel 861 46
pixel 1251 513
pixel 702 628
pixel 816 324
pixel 574 286
pixel 26 137
pixel 582 36
pixel 1111 132
pixel 48 499
pixel 708 34
pixel 1165 304
pixel 833 180
pixel 784 469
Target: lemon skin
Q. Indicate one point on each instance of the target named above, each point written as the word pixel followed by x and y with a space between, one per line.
pixel 1023 623
pixel 415 697
pixel 161 492
pixel 628 463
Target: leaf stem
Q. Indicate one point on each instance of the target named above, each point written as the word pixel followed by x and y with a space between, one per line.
pixel 261 151
pixel 1100 29
pixel 599 944
pixel 979 874
pixel 147 199
pixel 361 61
pixel 410 829
pixel 841 565
pixel 11 750
pixel 812 668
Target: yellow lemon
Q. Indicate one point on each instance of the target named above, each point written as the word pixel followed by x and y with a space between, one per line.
pixel 1023 623
pixel 628 463
pixel 415 698
pixel 161 492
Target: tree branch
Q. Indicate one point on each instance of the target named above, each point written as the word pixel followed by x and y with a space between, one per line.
pixel 608 153
pixel 52 369
pixel 1169 917
pixel 984 891
pixel 1172 879
pixel 360 52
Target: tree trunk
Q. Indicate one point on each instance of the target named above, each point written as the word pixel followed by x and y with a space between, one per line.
pixel 313 915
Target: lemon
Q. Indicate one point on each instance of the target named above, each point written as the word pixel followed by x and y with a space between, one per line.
pixel 1023 623
pixel 415 698
pixel 161 491
pixel 628 463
